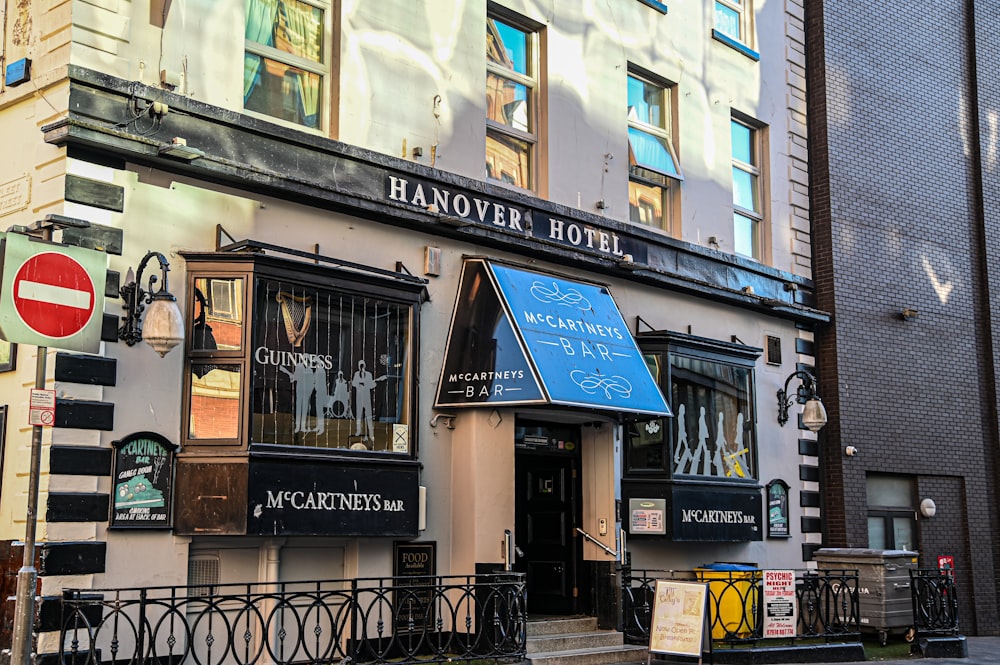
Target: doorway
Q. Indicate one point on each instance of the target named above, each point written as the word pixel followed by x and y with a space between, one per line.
pixel 547 507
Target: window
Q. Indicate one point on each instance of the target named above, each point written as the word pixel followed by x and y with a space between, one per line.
pixel 713 432
pixel 511 103
pixel 891 521
pixel 654 172
pixel 747 199
pixel 732 20
pixel 305 357
pixel 285 61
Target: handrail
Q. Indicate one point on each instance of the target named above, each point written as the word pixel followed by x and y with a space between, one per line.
pixel 604 547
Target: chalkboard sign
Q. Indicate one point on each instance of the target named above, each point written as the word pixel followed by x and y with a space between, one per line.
pixel 143 481
pixel 677 626
pixel 414 597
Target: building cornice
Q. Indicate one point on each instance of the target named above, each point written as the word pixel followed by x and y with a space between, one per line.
pixel 109 116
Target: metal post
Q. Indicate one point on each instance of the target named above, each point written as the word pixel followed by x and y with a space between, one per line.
pixel 27 576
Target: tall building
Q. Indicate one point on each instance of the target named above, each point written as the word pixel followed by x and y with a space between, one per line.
pixel 905 262
pixel 416 313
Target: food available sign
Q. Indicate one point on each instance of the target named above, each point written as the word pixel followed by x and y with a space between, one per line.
pixel 52 294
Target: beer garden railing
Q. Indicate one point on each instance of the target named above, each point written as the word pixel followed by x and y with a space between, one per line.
pixel 935 603
pixel 372 620
pixel 827 604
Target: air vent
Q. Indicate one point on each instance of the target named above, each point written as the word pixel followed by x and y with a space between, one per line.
pixel 203 574
pixel 773 345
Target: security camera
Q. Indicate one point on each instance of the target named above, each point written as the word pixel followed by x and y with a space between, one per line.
pixel 850 451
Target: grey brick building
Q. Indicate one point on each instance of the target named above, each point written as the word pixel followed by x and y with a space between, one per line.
pixel 903 136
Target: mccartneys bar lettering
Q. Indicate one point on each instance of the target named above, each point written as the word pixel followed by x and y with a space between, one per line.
pixel 492 213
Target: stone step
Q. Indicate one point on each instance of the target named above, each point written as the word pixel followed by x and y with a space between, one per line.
pixel 561 625
pixel 599 656
pixel 574 641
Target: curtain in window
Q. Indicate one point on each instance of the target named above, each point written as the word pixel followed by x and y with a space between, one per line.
pixel 302 28
pixel 260 29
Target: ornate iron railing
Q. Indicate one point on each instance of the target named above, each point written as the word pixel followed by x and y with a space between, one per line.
pixel 372 620
pixel 935 603
pixel 827 604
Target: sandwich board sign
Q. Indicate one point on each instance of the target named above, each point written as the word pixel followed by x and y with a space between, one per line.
pixel 52 294
pixel 677 626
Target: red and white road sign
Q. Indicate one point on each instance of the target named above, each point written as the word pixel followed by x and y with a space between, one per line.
pixel 53 295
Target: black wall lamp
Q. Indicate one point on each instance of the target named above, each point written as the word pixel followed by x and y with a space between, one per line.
pixel 163 328
pixel 813 413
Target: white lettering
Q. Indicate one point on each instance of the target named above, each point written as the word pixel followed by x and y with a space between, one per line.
pixel 397 188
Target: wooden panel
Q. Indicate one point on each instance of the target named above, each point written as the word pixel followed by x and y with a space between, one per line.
pixel 94 193
pixel 80 460
pixel 89 370
pixel 211 498
pixel 85 414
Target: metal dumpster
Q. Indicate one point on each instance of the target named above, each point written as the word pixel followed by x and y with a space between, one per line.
pixel 884 597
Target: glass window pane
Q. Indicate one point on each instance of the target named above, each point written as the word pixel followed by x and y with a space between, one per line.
pixel 727 21
pixel 890 491
pixel 290 26
pixel 902 533
pixel 744 232
pixel 876 533
pixel 650 152
pixel 282 91
pixel 645 102
pixel 507 46
pixel 508 159
pixel 214 401
pixel 218 314
pixel 508 102
pixel 742 139
pixel 744 189
pixel 330 370
pixel 714 434
pixel 647 204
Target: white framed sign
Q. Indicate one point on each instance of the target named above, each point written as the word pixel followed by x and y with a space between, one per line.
pixel 677 626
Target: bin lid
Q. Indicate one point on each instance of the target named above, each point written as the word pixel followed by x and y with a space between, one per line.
pixel 860 552
pixel 727 567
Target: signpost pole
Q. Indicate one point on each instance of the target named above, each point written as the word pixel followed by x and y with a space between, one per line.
pixel 27 576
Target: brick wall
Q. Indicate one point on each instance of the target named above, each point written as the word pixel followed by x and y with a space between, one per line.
pixel 901 219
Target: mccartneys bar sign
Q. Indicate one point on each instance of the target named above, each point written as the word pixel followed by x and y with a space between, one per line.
pixel 498 215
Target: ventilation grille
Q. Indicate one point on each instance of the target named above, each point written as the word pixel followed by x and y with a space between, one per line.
pixel 203 575
pixel 773 346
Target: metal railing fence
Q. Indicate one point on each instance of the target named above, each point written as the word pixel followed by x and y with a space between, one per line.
pixel 827 604
pixel 371 620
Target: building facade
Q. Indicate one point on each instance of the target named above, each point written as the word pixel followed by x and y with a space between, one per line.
pixel 909 458
pixel 416 313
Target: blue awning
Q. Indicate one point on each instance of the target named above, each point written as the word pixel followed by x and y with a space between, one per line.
pixel 524 337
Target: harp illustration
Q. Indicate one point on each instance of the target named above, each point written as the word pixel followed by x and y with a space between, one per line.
pixel 296 312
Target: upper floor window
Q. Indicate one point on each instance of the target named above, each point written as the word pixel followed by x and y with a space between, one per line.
pixel 713 432
pixel 284 64
pixel 748 214
pixel 731 19
pixel 511 103
pixel 654 171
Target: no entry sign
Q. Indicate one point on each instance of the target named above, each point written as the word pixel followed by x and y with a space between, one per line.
pixel 52 295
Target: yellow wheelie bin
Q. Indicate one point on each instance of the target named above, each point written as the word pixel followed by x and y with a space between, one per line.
pixel 734 596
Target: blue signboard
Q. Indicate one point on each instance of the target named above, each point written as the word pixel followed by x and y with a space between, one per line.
pixel 537 338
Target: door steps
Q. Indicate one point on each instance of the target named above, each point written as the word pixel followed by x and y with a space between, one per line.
pixel 577 641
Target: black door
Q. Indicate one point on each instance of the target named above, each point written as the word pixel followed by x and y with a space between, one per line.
pixel 547 513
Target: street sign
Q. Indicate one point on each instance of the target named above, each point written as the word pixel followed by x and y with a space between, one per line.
pixel 52 294
pixel 42 408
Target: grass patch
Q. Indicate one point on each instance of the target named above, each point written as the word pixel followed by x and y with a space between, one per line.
pixel 895 649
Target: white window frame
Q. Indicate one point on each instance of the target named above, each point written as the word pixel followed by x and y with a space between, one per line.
pixel 744 10
pixel 755 171
pixel 321 68
pixel 670 190
pixel 531 82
